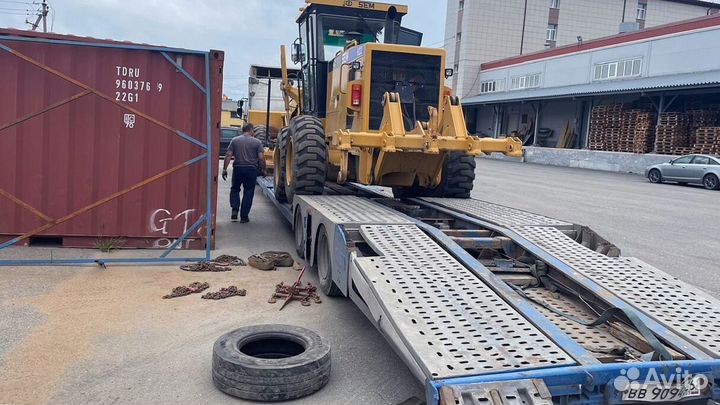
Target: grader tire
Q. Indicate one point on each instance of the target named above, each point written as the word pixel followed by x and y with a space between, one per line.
pixel 261 134
pixel 458 176
pixel 307 156
pixel 279 162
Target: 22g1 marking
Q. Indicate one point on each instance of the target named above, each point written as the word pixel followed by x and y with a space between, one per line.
pixel 133 97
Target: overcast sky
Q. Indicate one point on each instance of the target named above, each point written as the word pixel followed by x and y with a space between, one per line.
pixel 249 31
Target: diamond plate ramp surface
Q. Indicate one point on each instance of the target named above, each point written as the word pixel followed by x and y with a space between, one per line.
pixel 346 209
pixel 497 214
pixel 679 306
pixel 454 322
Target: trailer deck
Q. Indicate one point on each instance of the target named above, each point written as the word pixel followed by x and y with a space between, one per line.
pixel 491 305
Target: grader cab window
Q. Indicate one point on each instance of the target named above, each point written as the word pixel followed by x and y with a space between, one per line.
pixel 337 32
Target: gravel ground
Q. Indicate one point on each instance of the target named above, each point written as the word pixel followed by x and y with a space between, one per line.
pixel 76 335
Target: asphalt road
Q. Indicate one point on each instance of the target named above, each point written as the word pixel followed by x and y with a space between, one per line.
pixel 675 228
pixel 87 335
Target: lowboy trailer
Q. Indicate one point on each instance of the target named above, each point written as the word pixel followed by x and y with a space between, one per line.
pixel 491 305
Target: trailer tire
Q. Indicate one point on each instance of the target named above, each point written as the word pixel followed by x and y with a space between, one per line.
pixel 270 362
pixel 279 163
pixel 261 134
pixel 458 176
pixel 323 264
pixel 299 231
pixel 306 161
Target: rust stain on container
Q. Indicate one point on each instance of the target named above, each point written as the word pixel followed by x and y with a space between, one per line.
pixel 82 119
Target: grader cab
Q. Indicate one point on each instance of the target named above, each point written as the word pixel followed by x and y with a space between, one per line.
pixel 372 112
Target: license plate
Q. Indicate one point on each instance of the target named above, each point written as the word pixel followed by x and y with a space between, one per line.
pixel 659 392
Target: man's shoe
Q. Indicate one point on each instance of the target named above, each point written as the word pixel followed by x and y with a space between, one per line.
pixel 234 215
pixel 244 220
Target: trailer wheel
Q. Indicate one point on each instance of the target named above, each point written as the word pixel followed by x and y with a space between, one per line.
pixel 299 228
pixel 260 132
pixel 279 163
pixel 270 362
pixel 323 264
pixel 458 176
pixel 306 158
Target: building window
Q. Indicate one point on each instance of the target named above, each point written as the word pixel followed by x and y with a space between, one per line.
pixel 490 86
pixel 617 69
pixel 487 87
pixel 641 11
pixel 554 3
pixel 461 5
pixel 525 82
pixel 551 32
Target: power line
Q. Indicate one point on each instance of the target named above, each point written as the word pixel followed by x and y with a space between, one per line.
pixel 42 14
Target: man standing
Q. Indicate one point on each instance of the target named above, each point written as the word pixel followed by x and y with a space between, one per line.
pixel 248 163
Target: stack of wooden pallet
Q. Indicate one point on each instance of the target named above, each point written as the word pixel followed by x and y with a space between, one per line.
pixel 613 127
pixel 598 119
pixel 671 136
pixel 644 132
pixel 626 142
pixel 707 141
pixel 701 119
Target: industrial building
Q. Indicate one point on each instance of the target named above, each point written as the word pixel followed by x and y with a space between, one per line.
pixel 480 31
pixel 653 90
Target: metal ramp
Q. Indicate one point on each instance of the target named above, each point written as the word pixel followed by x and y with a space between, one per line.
pixel 680 307
pixel 453 323
pixel 497 214
pixel 347 209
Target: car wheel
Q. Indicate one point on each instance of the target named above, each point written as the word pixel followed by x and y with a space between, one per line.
pixel 710 181
pixel 654 176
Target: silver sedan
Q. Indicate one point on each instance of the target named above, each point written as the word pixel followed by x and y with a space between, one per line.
pixel 695 169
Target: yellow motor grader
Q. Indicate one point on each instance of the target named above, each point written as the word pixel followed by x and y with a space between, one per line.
pixel 370 111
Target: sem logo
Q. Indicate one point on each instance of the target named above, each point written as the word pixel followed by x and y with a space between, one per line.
pixel 360 4
pixel 129 120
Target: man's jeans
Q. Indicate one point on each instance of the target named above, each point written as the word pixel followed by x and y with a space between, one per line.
pixel 243 176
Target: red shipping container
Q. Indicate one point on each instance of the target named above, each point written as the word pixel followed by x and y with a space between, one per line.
pixel 83 120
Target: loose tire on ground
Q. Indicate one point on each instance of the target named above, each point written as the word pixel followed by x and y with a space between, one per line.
pixel 655 176
pixel 711 182
pixel 279 163
pixel 323 265
pixel 306 161
pixel 270 362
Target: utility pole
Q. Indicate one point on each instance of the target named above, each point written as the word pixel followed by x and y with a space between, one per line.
pixel 42 15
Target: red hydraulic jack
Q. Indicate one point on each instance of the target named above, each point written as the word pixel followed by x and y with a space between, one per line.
pixel 296 291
